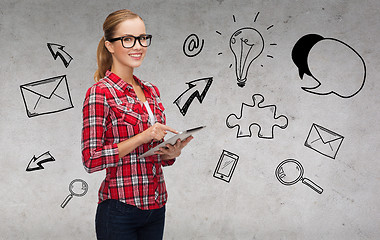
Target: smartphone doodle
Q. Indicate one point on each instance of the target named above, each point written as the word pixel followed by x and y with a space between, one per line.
pixel 226 166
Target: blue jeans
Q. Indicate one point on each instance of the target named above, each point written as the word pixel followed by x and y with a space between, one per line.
pixel 116 220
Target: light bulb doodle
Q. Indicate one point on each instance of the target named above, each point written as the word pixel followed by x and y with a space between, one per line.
pixel 246 44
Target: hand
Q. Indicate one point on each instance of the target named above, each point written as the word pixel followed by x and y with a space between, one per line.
pixel 173 151
pixel 156 132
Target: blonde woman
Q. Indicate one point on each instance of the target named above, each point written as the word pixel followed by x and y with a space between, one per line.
pixel 123 117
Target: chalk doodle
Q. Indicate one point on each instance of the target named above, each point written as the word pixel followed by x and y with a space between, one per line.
pixel 324 141
pixel 192 45
pixel 197 89
pixel 247 44
pixel 335 66
pixel 290 171
pixel 36 162
pixel 226 166
pixel 77 188
pixel 56 51
pixel 46 96
pixel 263 116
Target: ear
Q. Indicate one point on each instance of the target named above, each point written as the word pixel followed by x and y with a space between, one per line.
pixel 109 46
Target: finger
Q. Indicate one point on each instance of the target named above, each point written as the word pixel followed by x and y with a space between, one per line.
pixel 187 140
pixel 167 128
pixel 161 151
pixel 164 151
pixel 158 153
pixel 160 135
pixel 170 148
pixel 178 143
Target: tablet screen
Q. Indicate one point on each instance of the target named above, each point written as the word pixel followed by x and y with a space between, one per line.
pixel 182 135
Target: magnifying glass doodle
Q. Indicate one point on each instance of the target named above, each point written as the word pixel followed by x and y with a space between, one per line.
pixel 290 171
pixel 77 188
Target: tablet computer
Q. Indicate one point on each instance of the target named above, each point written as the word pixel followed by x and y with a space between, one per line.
pixel 181 135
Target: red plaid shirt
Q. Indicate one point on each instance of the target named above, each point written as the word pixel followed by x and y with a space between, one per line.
pixel 112 113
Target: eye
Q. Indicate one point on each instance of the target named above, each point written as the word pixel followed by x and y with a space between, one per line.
pixel 128 39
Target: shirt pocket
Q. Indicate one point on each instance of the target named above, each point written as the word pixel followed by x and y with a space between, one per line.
pixel 128 112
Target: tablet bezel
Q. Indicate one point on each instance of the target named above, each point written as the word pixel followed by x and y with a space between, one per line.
pixel 181 135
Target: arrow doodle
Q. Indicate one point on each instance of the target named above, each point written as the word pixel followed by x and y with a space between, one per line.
pixel 36 162
pixel 194 91
pixel 57 51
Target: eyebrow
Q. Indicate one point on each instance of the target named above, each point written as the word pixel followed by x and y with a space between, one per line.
pixel 134 35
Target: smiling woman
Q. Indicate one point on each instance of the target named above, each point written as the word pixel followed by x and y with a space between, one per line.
pixel 123 117
pixel 104 57
pixel 127 57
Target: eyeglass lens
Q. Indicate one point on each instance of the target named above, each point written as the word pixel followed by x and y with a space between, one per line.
pixel 130 41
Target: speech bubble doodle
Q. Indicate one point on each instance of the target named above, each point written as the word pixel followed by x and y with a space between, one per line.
pixel 337 67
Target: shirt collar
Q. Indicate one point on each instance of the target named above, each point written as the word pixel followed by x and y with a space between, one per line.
pixel 122 84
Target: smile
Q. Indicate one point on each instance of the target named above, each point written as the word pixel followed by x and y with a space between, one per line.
pixel 136 55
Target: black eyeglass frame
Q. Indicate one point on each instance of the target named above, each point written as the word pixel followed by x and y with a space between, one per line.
pixel 148 36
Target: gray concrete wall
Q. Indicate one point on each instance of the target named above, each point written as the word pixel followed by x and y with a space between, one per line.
pixel 224 184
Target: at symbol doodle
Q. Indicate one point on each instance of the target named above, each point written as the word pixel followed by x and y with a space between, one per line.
pixel 192 46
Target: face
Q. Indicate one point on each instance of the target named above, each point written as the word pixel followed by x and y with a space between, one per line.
pixel 127 57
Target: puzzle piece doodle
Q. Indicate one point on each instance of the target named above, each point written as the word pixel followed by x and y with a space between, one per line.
pixel 263 116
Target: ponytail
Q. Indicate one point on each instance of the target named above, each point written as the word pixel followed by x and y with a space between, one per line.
pixel 104 60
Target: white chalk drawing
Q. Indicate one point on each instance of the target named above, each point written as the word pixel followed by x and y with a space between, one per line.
pixel 335 66
pixel 46 96
pixel 324 141
pixel 36 162
pixel 290 171
pixel 263 116
pixel 226 166
pixel 197 89
pixel 247 44
pixel 192 45
pixel 77 188
pixel 56 51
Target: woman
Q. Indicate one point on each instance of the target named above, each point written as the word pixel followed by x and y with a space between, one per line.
pixel 123 117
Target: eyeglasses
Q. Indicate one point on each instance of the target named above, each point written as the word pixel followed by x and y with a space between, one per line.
pixel 129 41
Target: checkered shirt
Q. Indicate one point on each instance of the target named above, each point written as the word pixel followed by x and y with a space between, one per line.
pixel 111 114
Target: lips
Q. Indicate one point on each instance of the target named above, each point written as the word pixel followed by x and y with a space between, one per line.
pixel 136 56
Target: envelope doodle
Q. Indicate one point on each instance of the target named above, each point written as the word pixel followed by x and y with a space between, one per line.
pixel 46 96
pixel 324 141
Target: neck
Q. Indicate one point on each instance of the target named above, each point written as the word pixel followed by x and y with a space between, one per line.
pixel 125 73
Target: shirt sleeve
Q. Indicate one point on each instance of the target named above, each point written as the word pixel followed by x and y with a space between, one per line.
pixel 96 154
pixel 168 162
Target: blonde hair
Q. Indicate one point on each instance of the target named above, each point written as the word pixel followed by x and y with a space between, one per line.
pixel 103 56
